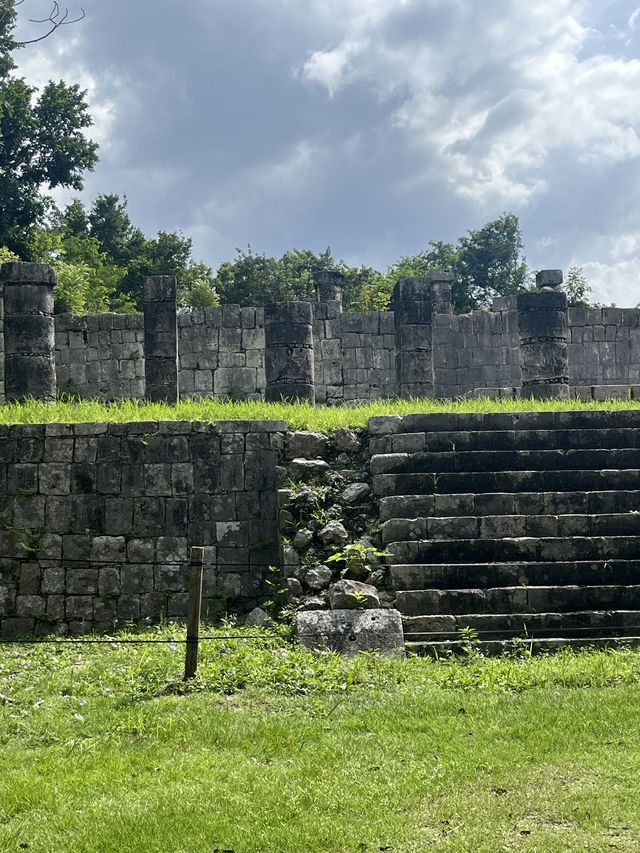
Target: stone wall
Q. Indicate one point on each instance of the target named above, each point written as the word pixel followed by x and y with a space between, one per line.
pixel 101 356
pixel 477 350
pixel 604 346
pixel 221 353
pixel 356 357
pixel 96 520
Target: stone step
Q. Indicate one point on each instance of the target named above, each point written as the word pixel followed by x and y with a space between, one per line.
pixel 446 648
pixel 498 421
pixel 479 575
pixel 512 526
pixel 517 549
pixel 581 623
pixel 520 503
pixel 505 460
pixel 545 439
pixel 478 483
pixel 517 599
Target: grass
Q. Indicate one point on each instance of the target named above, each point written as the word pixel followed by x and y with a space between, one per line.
pixel 299 416
pixel 276 749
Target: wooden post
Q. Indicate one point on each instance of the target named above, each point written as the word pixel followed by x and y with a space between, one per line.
pixel 193 613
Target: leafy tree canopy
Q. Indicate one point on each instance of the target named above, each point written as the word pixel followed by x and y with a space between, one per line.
pixel 42 144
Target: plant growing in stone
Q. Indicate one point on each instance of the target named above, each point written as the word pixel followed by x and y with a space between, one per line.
pixel 357 559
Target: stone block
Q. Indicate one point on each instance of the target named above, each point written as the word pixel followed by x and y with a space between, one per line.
pixel 349 632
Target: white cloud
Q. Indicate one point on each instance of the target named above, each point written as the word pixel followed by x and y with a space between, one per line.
pixel 617 284
pixel 493 98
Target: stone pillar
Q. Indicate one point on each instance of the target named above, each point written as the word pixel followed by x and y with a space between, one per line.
pixel 29 331
pixel 289 369
pixel 329 286
pixel 416 300
pixel 543 329
pixel 161 339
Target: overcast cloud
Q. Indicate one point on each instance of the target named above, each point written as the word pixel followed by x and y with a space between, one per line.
pixel 371 126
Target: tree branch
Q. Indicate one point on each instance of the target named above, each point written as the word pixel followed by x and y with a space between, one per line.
pixel 57 18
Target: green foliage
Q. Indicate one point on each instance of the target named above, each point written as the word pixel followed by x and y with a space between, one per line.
pixel 578 289
pixel 358 560
pixel 253 279
pixel 299 416
pixel 514 753
pixel 42 145
pixel 485 263
pixel 124 256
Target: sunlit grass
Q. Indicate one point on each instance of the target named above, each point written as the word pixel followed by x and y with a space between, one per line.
pixel 298 416
pixel 274 748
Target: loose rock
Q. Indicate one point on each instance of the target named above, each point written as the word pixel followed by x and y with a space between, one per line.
pixel 355 493
pixel 308 469
pixel 333 533
pixel 302 539
pixel 353 595
pixel 346 439
pixel 306 445
pixel 318 577
pixel 294 587
pixel 259 618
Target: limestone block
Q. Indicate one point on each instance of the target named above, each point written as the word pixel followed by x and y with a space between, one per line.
pixel 349 632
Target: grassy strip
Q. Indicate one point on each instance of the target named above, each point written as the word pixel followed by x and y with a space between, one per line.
pixel 299 416
pixel 277 749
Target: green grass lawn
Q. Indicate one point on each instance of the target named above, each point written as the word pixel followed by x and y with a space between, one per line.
pixel 275 749
pixel 299 416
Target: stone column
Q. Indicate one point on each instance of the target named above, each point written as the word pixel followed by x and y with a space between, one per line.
pixel 543 330
pixel 29 331
pixel 329 286
pixel 161 339
pixel 289 369
pixel 416 300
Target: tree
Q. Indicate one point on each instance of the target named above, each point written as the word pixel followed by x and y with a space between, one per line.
pixel 253 279
pixel 578 289
pixel 42 144
pixel 485 263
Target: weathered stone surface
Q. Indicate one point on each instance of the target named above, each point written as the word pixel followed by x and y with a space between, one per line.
pixel 289 352
pixel 161 339
pixel 349 632
pixel 259 618
pixel 333 533
pixel 356 492
pixel 349 594
pixel 306 445
pixel 318 577
pixel 302 539
pixel 308 469
pixel 346 439
pixel 294 587
pixel 29 331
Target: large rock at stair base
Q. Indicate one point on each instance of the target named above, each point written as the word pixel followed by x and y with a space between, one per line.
pixel 353 595
pixel 351 631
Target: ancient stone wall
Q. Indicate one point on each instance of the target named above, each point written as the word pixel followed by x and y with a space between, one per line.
pixel 101 356
pixel 477 350
pixel 604 346
pixel 96 520
pixel 221 353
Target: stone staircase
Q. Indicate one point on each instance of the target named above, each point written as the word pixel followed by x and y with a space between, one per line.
pixel 516 526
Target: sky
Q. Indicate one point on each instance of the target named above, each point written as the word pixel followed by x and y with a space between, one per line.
pixel 370 126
